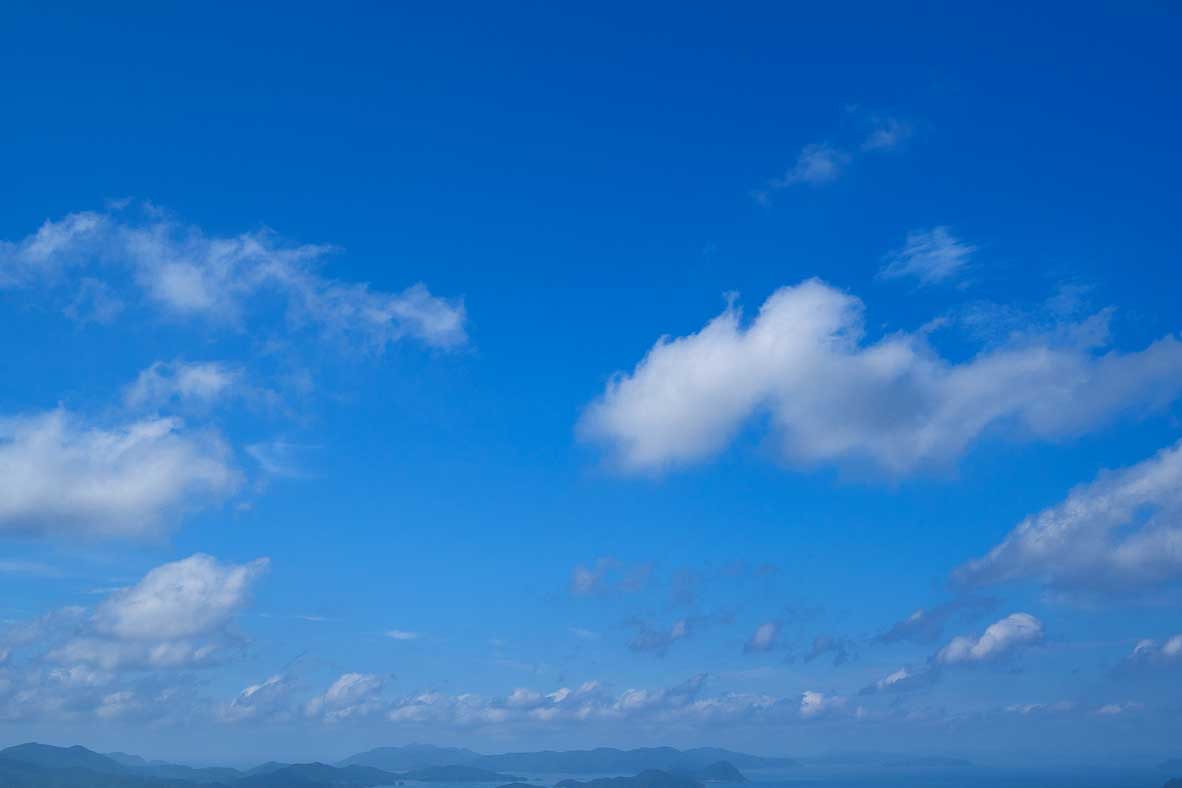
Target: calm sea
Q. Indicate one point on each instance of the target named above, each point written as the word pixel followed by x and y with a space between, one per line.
pixel 812 776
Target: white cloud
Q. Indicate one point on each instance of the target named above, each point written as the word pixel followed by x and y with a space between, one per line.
pixel 58 474
pixel 684 703
pixel 894 405
pixel 817 704
pixel 839 648
pixel 888 134
pixel 583 634
pixel 202 383
pixel 402 634
pixel 925 626
pixel 905 679
pixel 176 616
pixel 584 580
pixel 186 598
pixel 116 705
pixel 279 458
pixel 999 639
pixel 608 576
pixel 267 700
pixel 112 654
pixel 817 164
pixel 931 256
pixel 1150 653
pixel 133 654
pixel 188 274
pixel 16 566
pixel 763 638
pixel 1030 709
pixel 820 163
pixel 96 302
pixel 1114 709
pixel 54 247
pixel 658 641
pixel 351 696
pixel 1121 532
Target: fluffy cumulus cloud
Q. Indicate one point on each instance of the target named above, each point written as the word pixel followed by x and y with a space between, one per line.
pixel 685 703
pixel 60 474
pixel 999 639
pixel 817 704
pixel 1119 533
pixel 188 274
pixel 182 599
pixel 931 256
pixel 176 616
pixel 358 696
pixel 894 404
pixel 1150 653
pixel 130 655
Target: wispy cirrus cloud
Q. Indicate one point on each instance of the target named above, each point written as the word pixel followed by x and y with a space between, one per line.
pixel 764 638
pixel 820 163
pixel 62 475
pixel 930 256
pixel 1120 534
pixel 165 383
pixel 886 134
pixel 608 575
pixel 402 634
pixel 351 696
pixel 269 701
pixel 658 640
pixel 187 274
pixel 817 164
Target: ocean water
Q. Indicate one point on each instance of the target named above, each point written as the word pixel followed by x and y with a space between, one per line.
pixel 960 777
pixel 814 776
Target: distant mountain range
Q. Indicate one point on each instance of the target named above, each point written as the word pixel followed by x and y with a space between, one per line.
pixel 412 756
pixel 602 760
pixel 43 766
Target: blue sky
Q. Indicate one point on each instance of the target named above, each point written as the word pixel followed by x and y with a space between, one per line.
pixel 773 378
